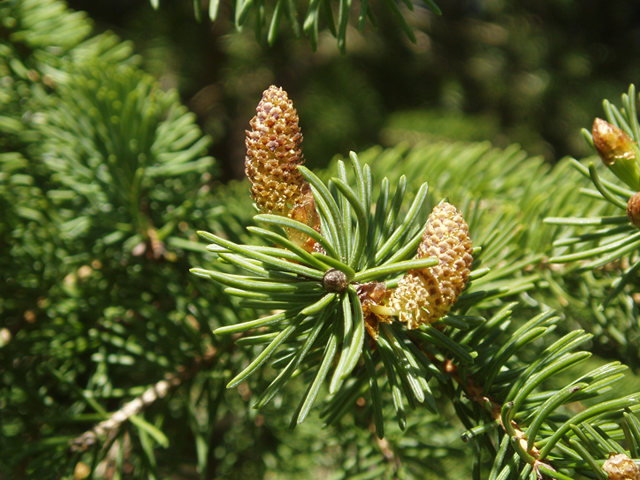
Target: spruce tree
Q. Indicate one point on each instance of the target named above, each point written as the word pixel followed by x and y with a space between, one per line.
pixel 446 310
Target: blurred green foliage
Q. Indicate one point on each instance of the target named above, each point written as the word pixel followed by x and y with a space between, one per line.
pixel 536 71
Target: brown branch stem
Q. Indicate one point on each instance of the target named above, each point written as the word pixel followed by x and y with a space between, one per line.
pixel 474 392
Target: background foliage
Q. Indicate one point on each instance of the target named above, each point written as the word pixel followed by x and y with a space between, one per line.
pixel 506 71
pixel 106 175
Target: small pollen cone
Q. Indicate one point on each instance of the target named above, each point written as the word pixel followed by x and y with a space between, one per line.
pixel 633 210
pixel 424 296
pixel 274 151
pixel 621 467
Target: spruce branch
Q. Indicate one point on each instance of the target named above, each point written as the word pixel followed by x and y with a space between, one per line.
pixel 600 247
pixel 563 423
pixel 140 140
pixel 108 429
pixel 83 306
pixel 507 394
pixel 479 365
pixel 616 144
pixel 324 299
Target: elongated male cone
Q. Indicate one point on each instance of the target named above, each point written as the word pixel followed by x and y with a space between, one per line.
pixel 618 151
pixel 274 153
pixel 424 296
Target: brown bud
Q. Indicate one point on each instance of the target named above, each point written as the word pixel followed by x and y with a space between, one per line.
pixel 621 467
pixel 618 151
pixel 335 281
pixel 371 296
pixel 274 153
pixel 611 142
pixel 633 210
pixel 305 212
pixel 424 296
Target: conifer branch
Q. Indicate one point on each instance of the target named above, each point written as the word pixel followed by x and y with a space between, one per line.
pixel 108 429
pixel 101 161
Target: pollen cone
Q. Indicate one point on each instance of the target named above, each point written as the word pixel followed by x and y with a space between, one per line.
pixel 273 155
pixel 424 296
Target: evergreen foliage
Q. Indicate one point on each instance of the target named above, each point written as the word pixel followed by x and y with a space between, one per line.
pixel 266 19
pixel 116 362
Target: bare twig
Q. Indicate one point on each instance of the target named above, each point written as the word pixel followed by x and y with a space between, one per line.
pixel 108 428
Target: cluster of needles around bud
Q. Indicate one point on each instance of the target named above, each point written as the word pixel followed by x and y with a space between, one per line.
pixel 319 303
pixel 335 272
